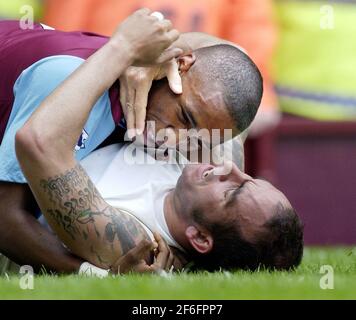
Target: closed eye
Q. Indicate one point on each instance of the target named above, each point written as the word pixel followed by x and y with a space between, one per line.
pixel 228 192
pixel 182 118
pixel 188 118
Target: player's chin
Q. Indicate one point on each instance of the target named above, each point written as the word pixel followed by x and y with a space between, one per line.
pixel 186 179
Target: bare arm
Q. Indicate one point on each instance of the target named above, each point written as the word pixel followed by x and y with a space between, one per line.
pixel 23 239
pixel 86 224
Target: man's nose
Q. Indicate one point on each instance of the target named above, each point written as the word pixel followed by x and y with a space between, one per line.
pixel 231 172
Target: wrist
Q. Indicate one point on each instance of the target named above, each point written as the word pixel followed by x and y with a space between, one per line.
pixel 120 48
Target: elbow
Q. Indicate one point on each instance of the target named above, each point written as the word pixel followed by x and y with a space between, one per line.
pixel 29 143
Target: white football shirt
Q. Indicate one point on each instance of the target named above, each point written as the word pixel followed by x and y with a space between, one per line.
pixel 133 185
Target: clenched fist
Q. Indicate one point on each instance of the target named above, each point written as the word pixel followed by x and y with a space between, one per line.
pixel 145 39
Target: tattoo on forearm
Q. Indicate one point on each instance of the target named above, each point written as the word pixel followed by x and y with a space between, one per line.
pixel 118 229
pixel 75 205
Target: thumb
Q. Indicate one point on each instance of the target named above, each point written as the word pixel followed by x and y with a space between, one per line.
pixel 173 76
pixel 169 54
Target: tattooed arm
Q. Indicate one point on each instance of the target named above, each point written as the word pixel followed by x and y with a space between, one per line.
pixel 85 223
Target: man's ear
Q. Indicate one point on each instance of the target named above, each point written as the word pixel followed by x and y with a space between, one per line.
pixel 200 239
pixel 185 62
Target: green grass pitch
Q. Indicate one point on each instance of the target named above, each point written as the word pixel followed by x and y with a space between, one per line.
pixel 304 283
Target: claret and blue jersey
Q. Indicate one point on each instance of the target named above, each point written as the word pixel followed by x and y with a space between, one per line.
pixel 32 64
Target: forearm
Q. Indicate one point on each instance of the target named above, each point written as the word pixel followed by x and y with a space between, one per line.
pixel 59 120
pixel 85 223
pixel 24 240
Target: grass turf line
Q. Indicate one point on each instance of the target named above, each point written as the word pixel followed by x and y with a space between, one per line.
pixel 301 284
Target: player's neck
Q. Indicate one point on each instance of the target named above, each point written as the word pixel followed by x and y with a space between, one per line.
pixel 175 223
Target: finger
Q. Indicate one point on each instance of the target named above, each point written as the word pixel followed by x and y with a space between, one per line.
pixel 169 54
pixel 143 268
pixel 173 76
pixel 143 11
pixel 170 261
pixel 173 35
pixel 132 258
pixel 130 112
pixel 138 267
pixel 141 106
pixel 123 98
pixel 166 25
pixel 125 263
pixel 157 237
pixel 163 251
pixel 123 94
pixel 141 250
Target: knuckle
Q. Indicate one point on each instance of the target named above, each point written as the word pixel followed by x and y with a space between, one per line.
pixel 146 243
pixel 174 34
pixel 140 77
pixel 158 26
pixel 162 27
pixel 141 11
pixel 131 73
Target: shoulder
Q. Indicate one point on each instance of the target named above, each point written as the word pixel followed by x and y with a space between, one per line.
pixel 47 71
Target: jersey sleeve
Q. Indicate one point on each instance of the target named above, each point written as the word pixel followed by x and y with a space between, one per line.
pixel 31 88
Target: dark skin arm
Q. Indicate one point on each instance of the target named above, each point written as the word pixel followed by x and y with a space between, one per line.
pixel 31 243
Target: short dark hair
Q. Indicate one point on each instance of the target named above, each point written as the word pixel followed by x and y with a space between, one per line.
pixel 279 247
pixel 239 77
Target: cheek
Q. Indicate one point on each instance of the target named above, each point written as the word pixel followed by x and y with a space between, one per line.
pixel 208 199
pixel 171 137
pixel 167 136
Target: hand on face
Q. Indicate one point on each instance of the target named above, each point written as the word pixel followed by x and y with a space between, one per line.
pixel 135 85
pixel 145 38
